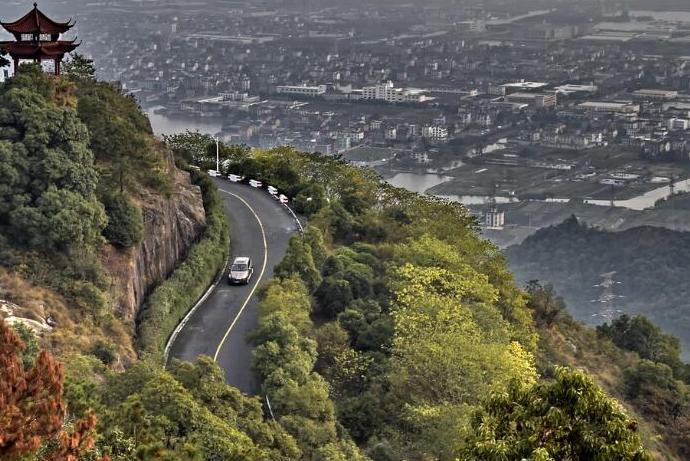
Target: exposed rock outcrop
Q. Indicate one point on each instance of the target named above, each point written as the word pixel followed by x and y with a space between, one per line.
pixel 172 225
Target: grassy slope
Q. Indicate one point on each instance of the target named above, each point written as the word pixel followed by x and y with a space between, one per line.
pixel 573 344
pixel 75 332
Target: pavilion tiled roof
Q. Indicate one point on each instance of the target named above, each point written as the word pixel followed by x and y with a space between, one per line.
pixel 36 22
pixel 44 50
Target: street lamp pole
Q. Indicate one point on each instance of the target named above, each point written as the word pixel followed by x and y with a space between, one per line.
pixel 217 155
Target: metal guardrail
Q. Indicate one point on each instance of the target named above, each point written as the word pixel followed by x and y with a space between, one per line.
pixel 299 223
pixel 273 191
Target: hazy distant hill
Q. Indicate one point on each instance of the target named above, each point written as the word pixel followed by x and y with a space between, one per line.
pixel 651 264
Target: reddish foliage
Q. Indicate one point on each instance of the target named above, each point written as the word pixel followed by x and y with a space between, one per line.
pixel 73 444
pixel 31 407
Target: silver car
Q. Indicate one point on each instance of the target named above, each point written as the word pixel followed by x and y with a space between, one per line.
pixel 241 270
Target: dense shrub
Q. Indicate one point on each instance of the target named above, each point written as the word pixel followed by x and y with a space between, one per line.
pixel 125 221
pixel 310 200
pixel 639 335
pixel 171 300
pixel 103 352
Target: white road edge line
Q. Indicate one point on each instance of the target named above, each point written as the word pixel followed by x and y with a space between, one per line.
pixel 256 284
pixel 186 318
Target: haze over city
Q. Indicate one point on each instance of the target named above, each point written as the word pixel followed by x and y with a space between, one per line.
pixel 344 230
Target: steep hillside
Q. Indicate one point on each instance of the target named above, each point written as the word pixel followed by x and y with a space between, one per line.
pixel 653 391
pixel 94 212
pixel 648 267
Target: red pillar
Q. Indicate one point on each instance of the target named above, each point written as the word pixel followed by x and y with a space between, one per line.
pixel 16 65
pixel 57 67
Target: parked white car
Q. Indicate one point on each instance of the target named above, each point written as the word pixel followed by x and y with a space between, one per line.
pixel 255 183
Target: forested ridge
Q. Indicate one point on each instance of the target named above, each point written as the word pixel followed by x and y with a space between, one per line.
pixel 649 266
pixel 391 330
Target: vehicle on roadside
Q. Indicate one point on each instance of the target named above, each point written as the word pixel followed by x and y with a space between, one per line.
pixel 235 178
pixel 213 173
pixel 241 271
pixel 255 183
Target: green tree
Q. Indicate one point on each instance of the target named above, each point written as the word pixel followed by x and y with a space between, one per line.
pixel 451 348
pixel 155 410
pixel 190 147
pixel 206 381
pixel 298 260
pixel 568 419
pixel 31 346
pixel 547 307
pixel 314 238
pixel 332 296
pixel 310 200
pixel 79 68
pixel 639 335
pixel 281 353
pixel 48 181
pixel 290 297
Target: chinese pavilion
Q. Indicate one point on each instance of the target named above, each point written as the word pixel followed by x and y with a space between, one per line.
pixel 38 38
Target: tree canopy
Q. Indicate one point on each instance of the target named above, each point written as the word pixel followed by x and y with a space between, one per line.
pixel 569 418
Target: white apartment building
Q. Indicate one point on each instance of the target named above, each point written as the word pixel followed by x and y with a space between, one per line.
pixel 389 93
pixel 494 219
pixel 625 107
pixel 391 133
pixel 678 124
pixel 435 132
pixel 302 90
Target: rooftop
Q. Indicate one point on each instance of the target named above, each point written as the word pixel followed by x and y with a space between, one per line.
pixel 36 22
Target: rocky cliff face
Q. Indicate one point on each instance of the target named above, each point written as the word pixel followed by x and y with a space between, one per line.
pixel 172 225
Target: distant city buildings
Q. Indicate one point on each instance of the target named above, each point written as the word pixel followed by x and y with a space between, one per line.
pixel 338 79
pixel 610 107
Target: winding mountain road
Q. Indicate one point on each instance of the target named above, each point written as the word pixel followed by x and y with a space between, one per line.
pixel 260 228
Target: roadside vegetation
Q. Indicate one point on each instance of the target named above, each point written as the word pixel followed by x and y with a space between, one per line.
pixel 391 329
pixel 169 302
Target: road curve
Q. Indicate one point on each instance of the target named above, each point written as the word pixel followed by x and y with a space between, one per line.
pixel 261 229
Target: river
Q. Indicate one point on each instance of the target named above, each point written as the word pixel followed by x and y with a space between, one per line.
pixel 646 200
pixel 418 182
pixel 163 125
pixel 669 16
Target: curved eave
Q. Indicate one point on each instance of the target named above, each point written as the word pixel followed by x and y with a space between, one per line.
pixel 36 22
pixel 42 29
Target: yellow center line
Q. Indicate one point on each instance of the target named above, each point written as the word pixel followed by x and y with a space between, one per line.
pixel 258 280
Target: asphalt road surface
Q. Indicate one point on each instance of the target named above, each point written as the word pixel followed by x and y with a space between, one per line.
pixel 261 229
